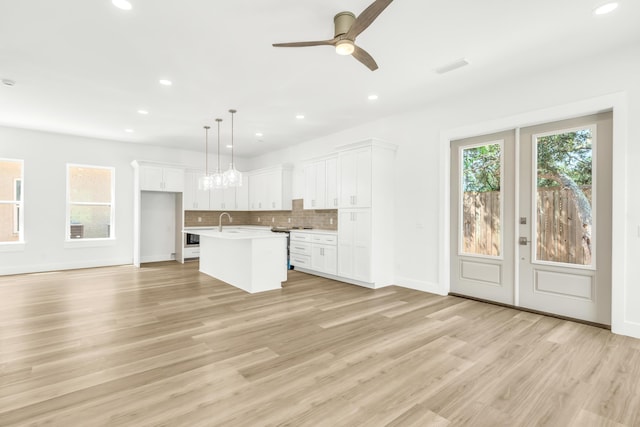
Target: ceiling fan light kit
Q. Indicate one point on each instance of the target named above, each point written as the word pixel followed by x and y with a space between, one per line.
pixel 346 28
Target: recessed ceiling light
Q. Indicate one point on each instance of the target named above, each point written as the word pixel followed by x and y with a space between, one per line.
pixel 300 117
pixel 128 130
pixel 143 112
pixel 372 97
pixel 229 146
pixel 8 82
pixel 258 134
pixel 165 82
pixel 605 8
pixel 122 4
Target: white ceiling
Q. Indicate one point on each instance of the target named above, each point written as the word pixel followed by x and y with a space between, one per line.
pixel 84 67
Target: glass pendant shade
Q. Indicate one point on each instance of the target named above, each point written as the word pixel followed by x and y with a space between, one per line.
pixel 205 182
pixel 233 177
pixel 218 180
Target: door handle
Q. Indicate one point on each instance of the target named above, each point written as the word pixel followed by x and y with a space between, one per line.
pixel 523 241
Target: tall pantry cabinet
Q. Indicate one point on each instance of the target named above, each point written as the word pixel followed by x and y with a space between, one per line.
pixel 366 213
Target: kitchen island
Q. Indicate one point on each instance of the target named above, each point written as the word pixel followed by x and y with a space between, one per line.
pixel 253 260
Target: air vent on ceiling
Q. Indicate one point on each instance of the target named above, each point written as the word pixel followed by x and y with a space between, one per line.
pixel 452 66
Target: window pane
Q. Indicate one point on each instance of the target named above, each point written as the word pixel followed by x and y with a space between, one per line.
pixel 90 222
pixel 88 184
pixel 563 207
pixel 9 222
pixel 10 177
pixel 481 195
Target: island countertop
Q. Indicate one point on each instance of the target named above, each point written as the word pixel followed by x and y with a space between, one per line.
pixel 233 233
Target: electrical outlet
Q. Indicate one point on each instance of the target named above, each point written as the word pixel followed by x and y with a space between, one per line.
pixel 331 221
pixel 289 220
pixel 273 219
pixel 258 219
pixel 199 219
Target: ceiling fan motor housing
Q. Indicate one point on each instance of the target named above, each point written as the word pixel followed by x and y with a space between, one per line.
pixel 342 22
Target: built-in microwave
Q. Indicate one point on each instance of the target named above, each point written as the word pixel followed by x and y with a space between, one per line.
pixel 191 239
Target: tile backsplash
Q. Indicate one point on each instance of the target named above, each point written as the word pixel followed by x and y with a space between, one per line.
pixel 297 217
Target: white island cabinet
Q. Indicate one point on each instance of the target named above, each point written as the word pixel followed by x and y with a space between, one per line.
pixel 252 260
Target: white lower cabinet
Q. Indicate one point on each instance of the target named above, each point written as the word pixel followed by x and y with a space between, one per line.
pixel 354 244
pixel 324 258
pixel 191 252
pixel 314 252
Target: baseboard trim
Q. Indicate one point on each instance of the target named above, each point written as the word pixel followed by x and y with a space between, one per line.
pixel 420 285
pixel 42 268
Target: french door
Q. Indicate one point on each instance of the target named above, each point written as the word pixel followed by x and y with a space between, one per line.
pixel 559 202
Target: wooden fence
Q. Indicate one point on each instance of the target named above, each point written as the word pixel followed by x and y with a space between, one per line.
pixel 558 225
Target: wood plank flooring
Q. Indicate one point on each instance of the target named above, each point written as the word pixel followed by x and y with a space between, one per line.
pixel 167 346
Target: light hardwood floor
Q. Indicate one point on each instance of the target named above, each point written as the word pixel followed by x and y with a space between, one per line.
pixel 165 345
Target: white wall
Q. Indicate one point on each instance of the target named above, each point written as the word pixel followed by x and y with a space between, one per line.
pixel 419 177
pixel 157 226
pixel 45 157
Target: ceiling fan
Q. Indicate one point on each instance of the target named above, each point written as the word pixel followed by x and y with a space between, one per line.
pixel 347 28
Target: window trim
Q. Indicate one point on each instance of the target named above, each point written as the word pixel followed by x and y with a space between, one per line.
pixel 17 244
pixel 17 208
pixel 93 241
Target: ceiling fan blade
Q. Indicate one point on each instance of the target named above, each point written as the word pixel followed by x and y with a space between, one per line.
pixel 331 42
pixel 367 17
pixel 364 57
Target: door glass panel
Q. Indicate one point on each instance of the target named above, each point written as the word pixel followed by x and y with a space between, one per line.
pixel 564 220
pixel 481 202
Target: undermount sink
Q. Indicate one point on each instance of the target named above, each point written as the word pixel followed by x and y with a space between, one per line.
pixel 231 231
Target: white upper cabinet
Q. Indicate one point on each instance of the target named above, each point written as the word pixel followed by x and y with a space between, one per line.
pixel 331 198
pixel 315 185
pixel 223 199
pixel 321 184
pixel 270 189
pixel 242 197
pixel 193 198
pixel 158 178
pixel 354 178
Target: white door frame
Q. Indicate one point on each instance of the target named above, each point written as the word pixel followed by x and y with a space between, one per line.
pixel 619 104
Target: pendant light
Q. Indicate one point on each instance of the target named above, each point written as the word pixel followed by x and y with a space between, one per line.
pixel 232 176
pixel 205 182
pixel 218 177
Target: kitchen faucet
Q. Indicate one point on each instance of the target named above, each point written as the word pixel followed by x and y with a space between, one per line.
pixel 220 220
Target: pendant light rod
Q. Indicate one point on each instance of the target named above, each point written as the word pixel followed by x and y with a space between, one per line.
pixel 232 111
pixel 206 149
pixel 218 120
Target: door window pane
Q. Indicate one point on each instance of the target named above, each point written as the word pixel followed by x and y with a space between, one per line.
pixel 481 200
pixel 90 202
pixel 11 215
pixel 564 217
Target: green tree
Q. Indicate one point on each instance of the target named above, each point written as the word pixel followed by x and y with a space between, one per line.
pixel 565 160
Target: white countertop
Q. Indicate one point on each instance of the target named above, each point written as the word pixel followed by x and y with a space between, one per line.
pixel 235 233
pixel 225 226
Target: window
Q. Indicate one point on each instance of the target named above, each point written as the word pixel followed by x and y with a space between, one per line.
pixel 90 193
pixel 565 222
pixel 11 212
pixel 481 199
